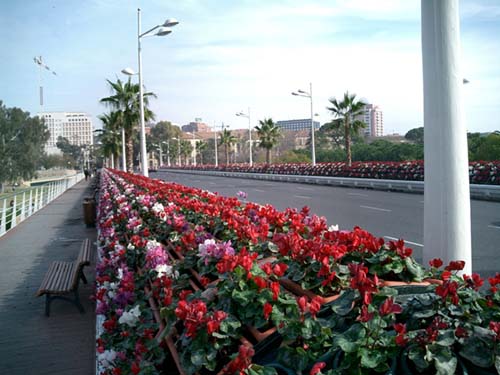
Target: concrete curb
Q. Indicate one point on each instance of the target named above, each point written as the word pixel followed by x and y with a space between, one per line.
pixel 480 192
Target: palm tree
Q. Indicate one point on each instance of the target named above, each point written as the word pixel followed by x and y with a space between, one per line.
pixel 186 150
pixel 269 135
pixel 345 113
pixel 111 137
pixel 126 99
pixel 227 140
pixel 201 146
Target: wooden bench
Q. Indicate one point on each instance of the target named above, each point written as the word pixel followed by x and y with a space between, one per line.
pixel 63 278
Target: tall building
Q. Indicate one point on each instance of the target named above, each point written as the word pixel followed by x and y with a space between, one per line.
pixel 295 125
pixel 76 127
pixel 196 126
pixel 374 120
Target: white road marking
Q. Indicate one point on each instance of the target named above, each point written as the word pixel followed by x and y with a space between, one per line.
pixel 376 208
pixel 212 183
pixel 260 191
pixel 358 194
pixel 304 188
pixel 302 196
pixel 408 242
pixel 493 226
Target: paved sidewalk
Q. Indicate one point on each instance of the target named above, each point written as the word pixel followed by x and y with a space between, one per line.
pixel 31 343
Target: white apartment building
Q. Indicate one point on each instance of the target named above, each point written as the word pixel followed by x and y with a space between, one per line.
pixel 76 127
pixel 374 120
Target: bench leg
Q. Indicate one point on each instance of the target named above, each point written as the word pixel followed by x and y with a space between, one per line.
pixel 77 301
pixel 82 276
pixel 47 304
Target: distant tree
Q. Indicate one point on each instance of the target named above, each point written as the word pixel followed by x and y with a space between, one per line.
pixel 269 135
pixel 227 140
pixel 74 151
pixel 201 146
pixel 125 97
pixel 295 156
pixel 111 138
pixel 345 113
pixel 416 135
pixel 22 141
pixel 489 148
pixel 186 150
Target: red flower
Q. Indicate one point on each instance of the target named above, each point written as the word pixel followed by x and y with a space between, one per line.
pixel 495 327
pixel 117 371
pixel 260 282
pixel 280 269
pixel 275 287
pixel 445 276
pixel 267 268
pixel 135 368
pixel 455 265
pixel 448 289
pixel 316 369
pixel 389 307
pixel 365 316
pixel 436 263
pixel 461 332
pixel 213 326
pixel 268 309
pixel 400 339
pixel 475 281
pixel 315 305
pixel 302 303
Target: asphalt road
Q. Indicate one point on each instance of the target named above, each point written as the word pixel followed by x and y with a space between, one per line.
pixel 386 214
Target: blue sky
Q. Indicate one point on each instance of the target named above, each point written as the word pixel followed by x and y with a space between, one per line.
pixel 226 56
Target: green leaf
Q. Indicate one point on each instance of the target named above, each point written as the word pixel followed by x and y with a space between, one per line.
pixel 445 362
pixel 344 304
pixel 260 370
pixel 371 358
pixel 415 269
pixel 198 357
pixel 497 363
pixel 478 352
pixel 395 266
pixel 446 338
pixel 417 355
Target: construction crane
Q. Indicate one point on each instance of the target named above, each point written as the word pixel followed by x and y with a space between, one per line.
pixel 39 61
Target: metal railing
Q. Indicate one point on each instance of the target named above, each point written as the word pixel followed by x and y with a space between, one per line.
pixel 17 207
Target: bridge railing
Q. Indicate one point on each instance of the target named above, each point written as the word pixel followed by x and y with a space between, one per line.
pixel 17 207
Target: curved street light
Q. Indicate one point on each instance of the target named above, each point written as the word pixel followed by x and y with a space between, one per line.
pixel 164 29
pixel 242 114
pixel 309 95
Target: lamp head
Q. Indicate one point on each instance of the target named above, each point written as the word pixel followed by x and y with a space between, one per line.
pixel 129 72
pixel 170 22
pixel 162 31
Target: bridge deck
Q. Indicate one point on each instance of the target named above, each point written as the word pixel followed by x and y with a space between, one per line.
pixel 31 343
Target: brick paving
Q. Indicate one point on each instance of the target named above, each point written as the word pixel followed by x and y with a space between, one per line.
pixel 31 343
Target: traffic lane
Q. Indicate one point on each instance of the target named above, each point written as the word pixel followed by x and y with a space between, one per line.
pixel 343 206
pixel 385 214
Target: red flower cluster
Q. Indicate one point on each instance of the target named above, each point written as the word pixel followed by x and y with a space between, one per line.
pixel 194 315
pixel 362 282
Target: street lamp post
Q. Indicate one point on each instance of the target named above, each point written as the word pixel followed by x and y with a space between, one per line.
pixel 178 150
pixel 163 30
pixel 215 145
pixel 249 132
pixel 124 156
pixel 309 95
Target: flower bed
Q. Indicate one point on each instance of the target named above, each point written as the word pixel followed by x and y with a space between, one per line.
pixel 479 172
pixel 190 278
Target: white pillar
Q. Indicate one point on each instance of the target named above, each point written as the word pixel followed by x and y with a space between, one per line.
pixel 124 152
pixel 447 227
pixel 4 217
pixel 23 207
pixel 13 216
pixel 30 203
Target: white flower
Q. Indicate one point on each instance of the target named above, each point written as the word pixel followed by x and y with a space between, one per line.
pixel 157 208
pixel 152 244
pixel 120 273
pixel 130 317
pixel 333 228
pixel 165 270
pixel 130 246
pixel 106 358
